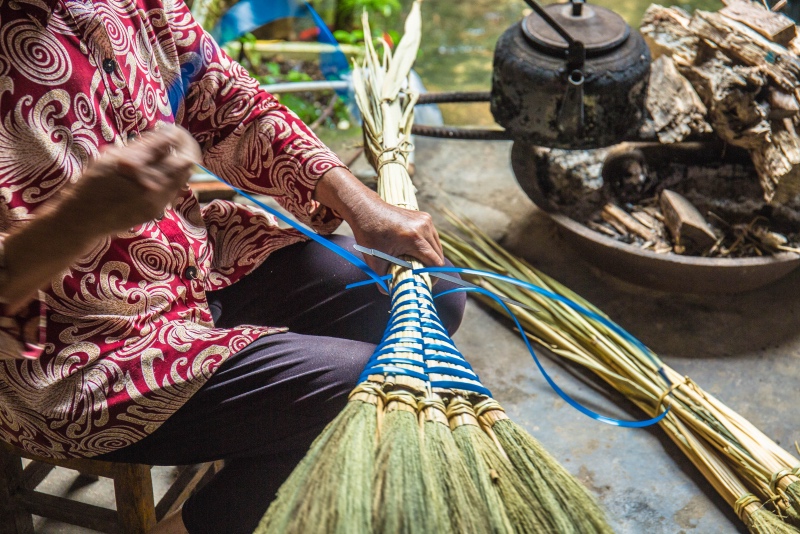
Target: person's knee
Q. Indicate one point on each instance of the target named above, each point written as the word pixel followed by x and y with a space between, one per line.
pixel 344 361
pixel 451 306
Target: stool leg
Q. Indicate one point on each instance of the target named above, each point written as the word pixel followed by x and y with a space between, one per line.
pixel 134 494
pixel 14 519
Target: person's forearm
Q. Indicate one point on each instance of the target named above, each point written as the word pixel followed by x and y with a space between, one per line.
pixel 339 190
pixel 38 251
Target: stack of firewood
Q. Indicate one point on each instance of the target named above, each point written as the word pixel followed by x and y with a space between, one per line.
pixel 735 72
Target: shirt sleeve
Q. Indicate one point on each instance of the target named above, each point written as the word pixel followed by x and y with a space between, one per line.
pixel 248 138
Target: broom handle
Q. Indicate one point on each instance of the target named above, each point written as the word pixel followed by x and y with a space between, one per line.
pixel 394 183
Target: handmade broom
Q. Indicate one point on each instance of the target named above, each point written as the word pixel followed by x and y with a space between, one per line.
pixel 730 452
pixel 409 452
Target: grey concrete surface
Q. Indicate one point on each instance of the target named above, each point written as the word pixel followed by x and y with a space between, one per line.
pixel 743 348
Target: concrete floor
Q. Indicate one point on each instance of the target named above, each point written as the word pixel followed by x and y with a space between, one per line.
pixel 745 349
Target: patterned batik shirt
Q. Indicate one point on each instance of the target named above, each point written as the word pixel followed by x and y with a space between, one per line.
pixel 125 335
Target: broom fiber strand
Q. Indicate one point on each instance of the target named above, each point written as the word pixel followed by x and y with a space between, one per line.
pixel 793 497
pixel 765 522
pixel 571 507
pixel 404 501
pixel 466 510
pixel 331 489
pixel 512 507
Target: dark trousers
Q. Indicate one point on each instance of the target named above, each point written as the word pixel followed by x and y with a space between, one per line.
pixel 262 409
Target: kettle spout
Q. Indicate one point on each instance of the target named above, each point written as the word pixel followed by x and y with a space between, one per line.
pixel 571 113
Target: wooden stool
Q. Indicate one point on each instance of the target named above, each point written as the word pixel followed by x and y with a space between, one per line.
pixel 136 511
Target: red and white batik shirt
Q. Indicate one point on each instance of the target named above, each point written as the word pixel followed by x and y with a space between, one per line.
pixel 125 334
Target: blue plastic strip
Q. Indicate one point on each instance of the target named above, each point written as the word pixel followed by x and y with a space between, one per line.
pixel 330 245
pixel 405 361
pixel 390 342
pixel 363 283
pixel 439 337
pixel 406 291
pixel 401 329
pixel 332 64
pixel 448 359
pixel 399 350
pixel 447 349
pixel 435 326
pixel 553 296
pixel 248 15
pixel 569 400
pixel 451 371
pixel 391 370
pixel 466 386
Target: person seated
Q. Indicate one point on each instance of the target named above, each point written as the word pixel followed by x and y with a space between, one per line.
pixel 139 326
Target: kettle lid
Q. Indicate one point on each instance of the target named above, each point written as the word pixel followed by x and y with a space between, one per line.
pixel 600 29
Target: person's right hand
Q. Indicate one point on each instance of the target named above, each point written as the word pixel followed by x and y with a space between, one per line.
pixel 131 185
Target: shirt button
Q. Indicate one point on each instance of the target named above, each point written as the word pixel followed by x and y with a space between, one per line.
pixel 190 273
pixel 109 65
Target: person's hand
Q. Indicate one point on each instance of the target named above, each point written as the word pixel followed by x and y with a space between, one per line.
pixel 379 225
pixel 396 231
pixel 131 185
pixel 125 187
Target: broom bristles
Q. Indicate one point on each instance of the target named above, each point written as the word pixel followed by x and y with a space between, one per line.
pixel 569 504
pixel 793 498
pixel 466 510
pixel 765 522
pixel 330 490
pixel 512 507
pixel 403 501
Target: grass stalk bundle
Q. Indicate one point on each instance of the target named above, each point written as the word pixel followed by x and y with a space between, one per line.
pixel 502 487
pixel 405 500
pixel 324 491
pixel 467 511
pixel 757 477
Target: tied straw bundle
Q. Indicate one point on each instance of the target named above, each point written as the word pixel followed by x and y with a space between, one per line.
pixel 755 476
pixel 421 445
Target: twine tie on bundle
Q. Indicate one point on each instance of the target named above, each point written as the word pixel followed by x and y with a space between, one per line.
pixel 739 507
pixel 776 478
pixel 398 154
pixel 667 392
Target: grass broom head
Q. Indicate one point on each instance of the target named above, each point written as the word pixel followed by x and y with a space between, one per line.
pixel 405 498
pixel 467 511
pixel 792 491
pixel 536 494
pixel 337 487
pixel 701 426
pixel 512 506
pixel 759 520
pixel 331 489
pixel 387 110
pixel 568 503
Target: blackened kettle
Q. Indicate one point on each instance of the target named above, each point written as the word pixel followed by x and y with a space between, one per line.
pixel 570 75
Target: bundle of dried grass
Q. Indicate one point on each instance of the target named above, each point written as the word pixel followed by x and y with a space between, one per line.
pixel 757 477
